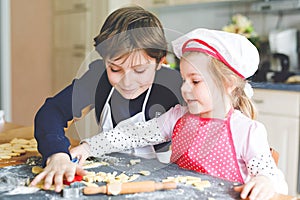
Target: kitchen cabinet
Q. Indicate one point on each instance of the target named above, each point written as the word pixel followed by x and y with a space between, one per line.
pixel 279 111
pixel 75 25
pixel 164 3
pixel 66 64
pixel 71 31
pixel 71 6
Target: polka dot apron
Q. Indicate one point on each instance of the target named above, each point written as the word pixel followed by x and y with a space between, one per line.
pixel 205 145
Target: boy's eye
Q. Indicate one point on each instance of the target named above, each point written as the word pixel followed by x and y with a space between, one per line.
pixel 114 69
pixel 139 71
pixel 141 68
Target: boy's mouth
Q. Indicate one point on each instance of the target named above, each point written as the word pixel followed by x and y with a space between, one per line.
pixel 191 101
pixel 127 91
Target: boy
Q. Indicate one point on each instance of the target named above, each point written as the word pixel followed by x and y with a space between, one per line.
pixel 128 85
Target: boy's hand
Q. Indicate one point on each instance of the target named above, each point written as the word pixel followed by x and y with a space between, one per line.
pixel 58 167
pixel 81 151
pixel 258 188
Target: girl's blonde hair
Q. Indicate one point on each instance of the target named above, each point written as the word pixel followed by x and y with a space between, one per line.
pixel 239 99
pixel 219 71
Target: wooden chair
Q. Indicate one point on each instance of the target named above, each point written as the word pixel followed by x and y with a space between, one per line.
pixel 275 155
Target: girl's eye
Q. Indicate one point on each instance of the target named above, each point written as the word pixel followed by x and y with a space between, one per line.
pixel 195 82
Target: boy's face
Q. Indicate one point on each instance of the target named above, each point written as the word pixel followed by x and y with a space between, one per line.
pixel 133 74
pixel 196 81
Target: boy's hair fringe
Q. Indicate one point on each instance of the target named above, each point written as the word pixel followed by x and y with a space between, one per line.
pixel 118 37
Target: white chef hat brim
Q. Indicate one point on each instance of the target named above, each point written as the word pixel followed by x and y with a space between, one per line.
pixel 236 51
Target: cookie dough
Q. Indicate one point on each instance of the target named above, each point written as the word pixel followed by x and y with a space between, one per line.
pixel 17 147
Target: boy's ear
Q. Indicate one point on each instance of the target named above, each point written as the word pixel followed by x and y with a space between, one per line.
pixel 162 61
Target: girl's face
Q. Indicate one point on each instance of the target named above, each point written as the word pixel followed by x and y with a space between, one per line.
pixel 133 74
pixel 197 84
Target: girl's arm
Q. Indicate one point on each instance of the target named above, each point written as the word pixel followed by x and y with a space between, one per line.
pixel 268 166
pixel 155 131
pixel 265 176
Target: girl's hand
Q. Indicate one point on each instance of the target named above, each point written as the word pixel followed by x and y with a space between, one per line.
pixel 82 152
pixel 258 188
pixel 58 166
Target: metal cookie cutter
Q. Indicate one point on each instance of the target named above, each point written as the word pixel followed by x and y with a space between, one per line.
pixel 72 192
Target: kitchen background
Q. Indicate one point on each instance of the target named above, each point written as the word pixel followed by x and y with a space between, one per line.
pixel 44 42
pixel 50 38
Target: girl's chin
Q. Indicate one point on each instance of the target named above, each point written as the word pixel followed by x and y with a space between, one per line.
pixel 195 109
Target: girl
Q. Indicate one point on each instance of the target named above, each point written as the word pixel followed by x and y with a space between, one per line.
pixel 216 133
pixel 129 84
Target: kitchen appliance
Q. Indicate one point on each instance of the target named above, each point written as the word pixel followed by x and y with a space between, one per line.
pixel 285 47
pixel 284 63
pixel 276 5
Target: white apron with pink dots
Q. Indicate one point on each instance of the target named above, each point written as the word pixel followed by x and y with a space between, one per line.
pixel 205 145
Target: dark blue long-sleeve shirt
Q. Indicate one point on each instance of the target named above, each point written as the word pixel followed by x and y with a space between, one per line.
pixel 92 89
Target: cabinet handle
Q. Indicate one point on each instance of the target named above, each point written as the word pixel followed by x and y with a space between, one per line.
pixel 78 54
pixel 78 46
pixel 79 6
pixel 159 1
pixel 258 101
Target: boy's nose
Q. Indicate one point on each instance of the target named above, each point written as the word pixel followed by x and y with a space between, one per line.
pixel 127 79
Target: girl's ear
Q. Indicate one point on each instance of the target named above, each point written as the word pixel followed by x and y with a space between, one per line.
pixel 230 85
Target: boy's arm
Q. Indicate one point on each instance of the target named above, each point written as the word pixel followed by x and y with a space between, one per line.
pixel 50 121
pixel 53 116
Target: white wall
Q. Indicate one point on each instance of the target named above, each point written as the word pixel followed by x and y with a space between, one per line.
pixel 187 17
pixel 215 15
pixel 5 64
pixel 184 18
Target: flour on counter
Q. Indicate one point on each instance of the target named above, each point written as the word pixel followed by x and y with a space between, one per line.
pixel 23 190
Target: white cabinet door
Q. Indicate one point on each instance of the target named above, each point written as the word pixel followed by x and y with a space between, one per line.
pixel 66 66
pixel 283 136
pixel 76 23
pixel 71 5
pixel 71 31
pixel 279 111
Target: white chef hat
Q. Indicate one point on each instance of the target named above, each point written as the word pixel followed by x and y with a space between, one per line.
pixel 234 50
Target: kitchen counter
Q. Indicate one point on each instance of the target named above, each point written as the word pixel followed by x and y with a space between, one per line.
pixel 276 86
pixel 15 177
pixel 219 189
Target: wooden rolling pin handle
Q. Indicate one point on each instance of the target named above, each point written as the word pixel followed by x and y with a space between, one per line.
pixel 166 186
pixel 94 190
pixel 129 188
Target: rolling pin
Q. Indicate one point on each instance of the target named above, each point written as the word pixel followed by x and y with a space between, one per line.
pixel 129 188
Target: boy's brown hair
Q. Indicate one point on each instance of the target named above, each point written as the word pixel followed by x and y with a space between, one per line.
pixel 128 29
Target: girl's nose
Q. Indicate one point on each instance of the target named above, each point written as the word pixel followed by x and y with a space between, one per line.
pixel 185 87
